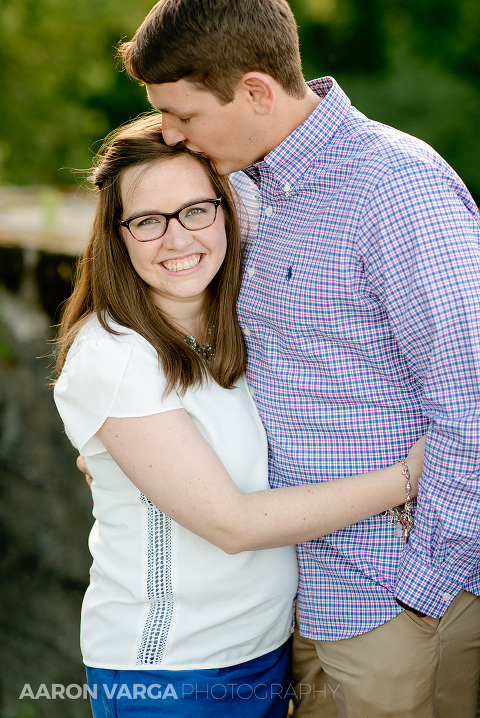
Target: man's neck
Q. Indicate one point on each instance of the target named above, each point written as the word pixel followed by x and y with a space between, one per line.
pixel 289 114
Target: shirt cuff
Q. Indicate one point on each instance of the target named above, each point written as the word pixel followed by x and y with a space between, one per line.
pixel 423 587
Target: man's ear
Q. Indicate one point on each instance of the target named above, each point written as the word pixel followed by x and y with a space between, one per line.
pixel 260 90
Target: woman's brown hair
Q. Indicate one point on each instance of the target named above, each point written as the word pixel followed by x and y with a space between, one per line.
pixel 108 285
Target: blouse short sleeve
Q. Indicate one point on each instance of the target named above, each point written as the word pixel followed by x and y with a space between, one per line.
pixel 108 375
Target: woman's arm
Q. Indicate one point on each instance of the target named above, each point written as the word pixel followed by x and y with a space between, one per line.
pixel 171 463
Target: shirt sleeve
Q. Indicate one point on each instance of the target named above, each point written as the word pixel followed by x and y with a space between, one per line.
pixel 422 253
pixel 109 376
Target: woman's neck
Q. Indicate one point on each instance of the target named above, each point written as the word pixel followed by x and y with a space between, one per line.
pixel 188 317
pixel 195 328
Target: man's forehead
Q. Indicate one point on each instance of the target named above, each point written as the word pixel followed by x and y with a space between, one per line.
pixel 160 101
pixel 178 98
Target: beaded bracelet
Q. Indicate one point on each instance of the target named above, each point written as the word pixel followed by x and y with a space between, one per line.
pixel 402 515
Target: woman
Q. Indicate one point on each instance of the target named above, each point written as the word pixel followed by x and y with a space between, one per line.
pixel 194 573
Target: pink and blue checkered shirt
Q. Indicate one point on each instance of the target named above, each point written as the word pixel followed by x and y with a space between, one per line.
pixel 361 310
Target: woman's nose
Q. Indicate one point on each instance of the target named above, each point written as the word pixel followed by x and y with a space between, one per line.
pixel 176 236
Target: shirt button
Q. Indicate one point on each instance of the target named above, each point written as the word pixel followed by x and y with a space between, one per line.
pixel 269 211
pixel 246 331
pixel 251 271
pixel 446 597
pixel 286 187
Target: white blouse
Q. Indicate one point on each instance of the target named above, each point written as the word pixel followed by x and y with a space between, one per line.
pixel 161 597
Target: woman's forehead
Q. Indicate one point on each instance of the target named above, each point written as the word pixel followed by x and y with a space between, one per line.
pixel 177 179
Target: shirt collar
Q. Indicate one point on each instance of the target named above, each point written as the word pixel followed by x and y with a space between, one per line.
pixel 288 161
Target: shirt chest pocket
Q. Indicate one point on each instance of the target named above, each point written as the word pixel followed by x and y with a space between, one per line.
pixel 315 287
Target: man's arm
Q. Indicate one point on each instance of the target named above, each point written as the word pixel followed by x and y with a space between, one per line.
pixel 422 252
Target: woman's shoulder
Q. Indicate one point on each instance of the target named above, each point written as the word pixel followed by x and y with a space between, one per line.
pixel 109 334
pixel 110 372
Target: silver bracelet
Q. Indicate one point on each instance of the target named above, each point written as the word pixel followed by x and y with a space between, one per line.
pixel 402 515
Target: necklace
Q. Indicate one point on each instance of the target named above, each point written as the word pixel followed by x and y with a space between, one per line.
pixel 205 350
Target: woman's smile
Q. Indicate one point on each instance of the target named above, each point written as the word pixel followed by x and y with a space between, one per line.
pixel 182 264
pixel 179 265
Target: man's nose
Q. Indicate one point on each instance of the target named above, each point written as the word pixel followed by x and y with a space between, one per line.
pixel 171 133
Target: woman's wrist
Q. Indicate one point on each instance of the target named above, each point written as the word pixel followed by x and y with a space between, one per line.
pixel 401 515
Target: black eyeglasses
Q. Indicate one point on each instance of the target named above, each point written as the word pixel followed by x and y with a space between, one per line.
pixel 198 215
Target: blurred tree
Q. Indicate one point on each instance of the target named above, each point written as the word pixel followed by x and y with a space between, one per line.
pixel 341 35
pixel 60 86
pixel 447 31
pixel 414 64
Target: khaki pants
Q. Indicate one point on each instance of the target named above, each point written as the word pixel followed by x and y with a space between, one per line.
pixel 404 668
pixel 312 694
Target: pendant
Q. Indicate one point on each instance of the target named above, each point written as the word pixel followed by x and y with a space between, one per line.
pixel 205 349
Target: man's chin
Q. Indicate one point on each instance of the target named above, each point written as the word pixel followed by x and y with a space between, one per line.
pixel 225 168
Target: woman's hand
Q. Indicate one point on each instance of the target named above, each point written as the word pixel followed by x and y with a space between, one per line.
pixel 82 466
pixel 414 461
pixel 415 465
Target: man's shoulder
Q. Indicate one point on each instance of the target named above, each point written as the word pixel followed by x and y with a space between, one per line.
pixel 385 147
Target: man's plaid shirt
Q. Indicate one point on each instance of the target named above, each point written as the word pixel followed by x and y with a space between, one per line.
pixel 360 305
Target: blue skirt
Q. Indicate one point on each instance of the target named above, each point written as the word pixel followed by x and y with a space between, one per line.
pixel 258 689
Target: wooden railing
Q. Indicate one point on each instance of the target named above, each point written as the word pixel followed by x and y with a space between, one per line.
pixel 45 218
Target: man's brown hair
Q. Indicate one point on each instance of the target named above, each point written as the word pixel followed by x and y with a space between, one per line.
pixel 212 43
pixel 109 286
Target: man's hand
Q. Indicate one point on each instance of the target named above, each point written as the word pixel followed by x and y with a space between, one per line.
pixel 433 622
pixel 82 466
pixel 430 620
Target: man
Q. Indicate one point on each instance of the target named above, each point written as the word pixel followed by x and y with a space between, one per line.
pixel 361 311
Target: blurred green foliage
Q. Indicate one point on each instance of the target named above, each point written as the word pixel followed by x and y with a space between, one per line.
pixel 61 88
pixel 414 64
